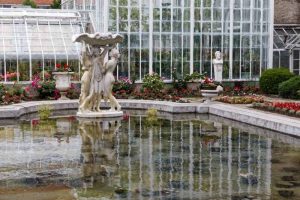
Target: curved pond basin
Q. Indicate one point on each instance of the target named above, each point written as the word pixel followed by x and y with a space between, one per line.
pixel 135 157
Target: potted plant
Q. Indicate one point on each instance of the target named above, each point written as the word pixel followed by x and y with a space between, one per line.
pixel 209 88
pixel 62 76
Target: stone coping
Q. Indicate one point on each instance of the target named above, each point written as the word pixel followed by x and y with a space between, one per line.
pixel 271 121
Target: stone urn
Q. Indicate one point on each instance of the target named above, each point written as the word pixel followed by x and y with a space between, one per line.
pixel 63 83
pixel 209 94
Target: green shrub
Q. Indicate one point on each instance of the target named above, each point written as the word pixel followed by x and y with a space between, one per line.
pixel 195 76
pixel 44 111
pixel 153 83
pixel 271 78
pixel 290 88
pixel 46 89
pixel 2 91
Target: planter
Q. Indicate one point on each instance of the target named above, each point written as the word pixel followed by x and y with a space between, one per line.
pixel 193 85
pixel 209 94
pixel 63 82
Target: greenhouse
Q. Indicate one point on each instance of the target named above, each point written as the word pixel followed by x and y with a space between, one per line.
pixel 150 99
pixel 287 48
pixel 161 35
pixel 34 41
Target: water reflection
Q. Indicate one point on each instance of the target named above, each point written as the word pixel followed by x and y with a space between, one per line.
pixel 97 149
pixel 192 157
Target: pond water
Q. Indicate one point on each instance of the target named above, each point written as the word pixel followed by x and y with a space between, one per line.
pixel 172 157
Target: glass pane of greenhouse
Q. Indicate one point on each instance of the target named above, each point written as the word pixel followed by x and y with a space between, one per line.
pixel 164 34
pixel 287 48
pixel 33 41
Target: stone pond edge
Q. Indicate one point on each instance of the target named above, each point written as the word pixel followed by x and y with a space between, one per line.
pixel 258 118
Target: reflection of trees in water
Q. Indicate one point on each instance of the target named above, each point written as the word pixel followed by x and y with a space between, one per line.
pixel 97 149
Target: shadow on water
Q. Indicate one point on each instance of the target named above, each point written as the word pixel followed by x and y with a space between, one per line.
pixel 182 156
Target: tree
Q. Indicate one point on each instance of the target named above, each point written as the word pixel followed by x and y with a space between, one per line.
pixel 56 4
pixel 30 3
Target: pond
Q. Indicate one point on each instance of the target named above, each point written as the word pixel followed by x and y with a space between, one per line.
pixel 134 157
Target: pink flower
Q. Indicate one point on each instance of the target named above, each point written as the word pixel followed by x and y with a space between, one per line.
pixel 27 88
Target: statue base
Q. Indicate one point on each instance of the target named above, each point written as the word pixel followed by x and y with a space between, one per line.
pixel 102 114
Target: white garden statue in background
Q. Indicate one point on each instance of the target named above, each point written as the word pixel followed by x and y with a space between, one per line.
pixel 97 80
pixel 218 66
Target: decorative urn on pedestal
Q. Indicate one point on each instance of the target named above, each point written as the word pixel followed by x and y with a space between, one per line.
pixel 209 89
pixel 62 77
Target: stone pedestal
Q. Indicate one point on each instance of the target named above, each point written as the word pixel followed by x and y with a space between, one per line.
pixel 209 94
pixel 102 114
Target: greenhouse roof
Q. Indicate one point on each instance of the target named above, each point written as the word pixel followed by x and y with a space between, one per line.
pixel 286 37
pixel 41 34
pixel 15 13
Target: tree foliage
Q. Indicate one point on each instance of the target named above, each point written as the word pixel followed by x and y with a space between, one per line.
pixel 56 4
pixel 30 3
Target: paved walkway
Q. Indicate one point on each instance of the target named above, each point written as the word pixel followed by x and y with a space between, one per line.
pixel 272 121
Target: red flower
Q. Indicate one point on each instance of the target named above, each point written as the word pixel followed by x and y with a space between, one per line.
pixel 58 65
pixel 237 88
pixel 35 122
pixel 125 117
pixel 56 94
pixel 71 118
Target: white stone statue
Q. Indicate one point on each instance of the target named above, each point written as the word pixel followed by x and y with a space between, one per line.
pixel 218 66
pixel 86 62
pixel 97 80
pixel 109 79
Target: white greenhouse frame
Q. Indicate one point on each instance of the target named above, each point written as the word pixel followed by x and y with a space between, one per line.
pixel 39 37
pixel 287 47
pixel 252 19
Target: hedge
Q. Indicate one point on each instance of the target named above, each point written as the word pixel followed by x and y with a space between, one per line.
pixel 271 78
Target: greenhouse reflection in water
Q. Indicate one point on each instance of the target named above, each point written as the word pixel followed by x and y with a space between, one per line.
pixel 204 157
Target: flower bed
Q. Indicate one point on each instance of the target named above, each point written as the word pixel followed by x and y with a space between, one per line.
pixel 9 95
pixel 39 89
pixel 208 84
pixel 286 108
pixel 240 99
pixel 62 68
pixel 241 90
pixel 123 88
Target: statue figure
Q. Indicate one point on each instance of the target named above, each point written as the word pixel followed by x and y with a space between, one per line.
pixel 86 62
pixel 97 80
pixel 91 102
pixel 109 79
pixel 218 66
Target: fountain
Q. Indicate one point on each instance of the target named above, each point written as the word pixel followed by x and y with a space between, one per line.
pixel 97 79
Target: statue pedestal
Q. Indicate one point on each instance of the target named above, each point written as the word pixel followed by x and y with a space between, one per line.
pixel 102 114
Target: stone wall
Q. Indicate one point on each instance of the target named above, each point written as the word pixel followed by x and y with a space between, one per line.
pixel 287 12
